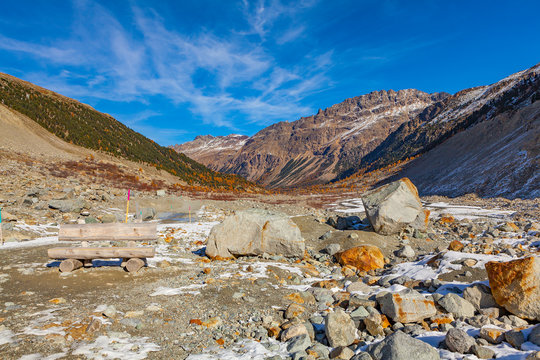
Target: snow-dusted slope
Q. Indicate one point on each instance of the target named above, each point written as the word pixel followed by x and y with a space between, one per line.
pixel 207 148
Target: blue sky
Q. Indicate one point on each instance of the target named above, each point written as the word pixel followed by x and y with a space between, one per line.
pixel 176 69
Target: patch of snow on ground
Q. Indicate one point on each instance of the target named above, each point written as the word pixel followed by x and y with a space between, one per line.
pixel 32 243
pixel 461 212
pixel 6 336
pixel 162 290
pixel 117 347
pixel 244 350
pixel 41 357
pixel 420 270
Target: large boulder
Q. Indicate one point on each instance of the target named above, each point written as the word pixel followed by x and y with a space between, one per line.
pixel 406 306
pixel 255 232
pixel 515 285
pixel 392 207
pixel 365 257
pixel 400 346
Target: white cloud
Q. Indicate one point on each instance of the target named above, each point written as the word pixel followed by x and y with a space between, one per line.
pixel 221 77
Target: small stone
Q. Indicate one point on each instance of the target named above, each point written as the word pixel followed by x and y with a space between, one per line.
pixel 482 352
pixel 514 285
pixel 534 336
pixel 293 331
pixel 340 329
pixel 110 311
pixel 406 306
pixel 400 346
pixel 406 252
pixel 456 305
pixel 456 245
pixel 294 310
pixel 514 338
pixel 492 334
pixel 459 341
pixel 364 258
pixel 332 249
pixel 298 343
pixel 480 296
pixel 134 314
pixel 341 353
pixel 362 356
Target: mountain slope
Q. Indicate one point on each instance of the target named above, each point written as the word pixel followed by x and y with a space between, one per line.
pixel 80 124
pixel 212 151
pixel 307 151
pixel 496 157
pixel 446 118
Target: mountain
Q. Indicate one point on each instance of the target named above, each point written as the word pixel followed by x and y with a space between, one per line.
pixel 446 118
pixel 483 139
pixel 81 125
pixel 497 154
pixel 307 151
pixel 212 150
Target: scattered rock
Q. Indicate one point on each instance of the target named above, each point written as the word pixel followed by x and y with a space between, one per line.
pixel 480 296
pixel 514 338
pixel 365 257
pixel 340 329
pixel 406 306
pixel 492 334
pixel 456 305
pixel 406 252
pixel 482 352
pixel 255 232
pixel 400 346
pixel 392 207
pixel 515 285
pixel 459 341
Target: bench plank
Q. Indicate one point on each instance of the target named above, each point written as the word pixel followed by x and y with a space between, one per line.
pixel 108 232
pixel 101 253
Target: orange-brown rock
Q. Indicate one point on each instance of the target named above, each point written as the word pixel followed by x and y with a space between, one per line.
pixel 455 245
pixel 515 285
pixel 364 258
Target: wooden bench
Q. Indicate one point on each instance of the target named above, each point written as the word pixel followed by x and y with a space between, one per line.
pixel 133 257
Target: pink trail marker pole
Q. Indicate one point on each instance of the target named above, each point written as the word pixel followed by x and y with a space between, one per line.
pixel 127 207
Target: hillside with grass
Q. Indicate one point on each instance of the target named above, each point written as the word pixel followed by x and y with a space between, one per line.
pixel 84 126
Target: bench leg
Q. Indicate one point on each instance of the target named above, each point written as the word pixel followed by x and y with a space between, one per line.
pixel 134 264
pixel 68 265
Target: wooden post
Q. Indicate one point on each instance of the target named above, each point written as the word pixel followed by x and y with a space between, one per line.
pixel 69 265
pixel 134 264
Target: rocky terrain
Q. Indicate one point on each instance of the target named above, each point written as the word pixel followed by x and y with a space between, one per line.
pixel 424 288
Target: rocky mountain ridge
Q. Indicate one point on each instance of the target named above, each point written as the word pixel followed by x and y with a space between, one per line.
pixel 382 128
pixel 307 150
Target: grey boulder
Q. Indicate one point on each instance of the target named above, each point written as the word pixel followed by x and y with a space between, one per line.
pixel 459 341
pixel 340 329
pixel 255 232
pixel 392 207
